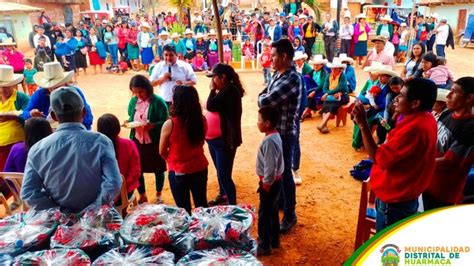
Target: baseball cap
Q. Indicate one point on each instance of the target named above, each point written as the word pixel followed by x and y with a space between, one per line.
pixel 219 69
pixel 66 100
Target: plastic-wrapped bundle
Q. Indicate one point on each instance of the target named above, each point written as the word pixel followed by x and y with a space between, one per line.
pixel 219 256
pixel 26 231
pixel 92 228
pixel 133 255
pixel 156 225
pixel 226 226
pixel 66 257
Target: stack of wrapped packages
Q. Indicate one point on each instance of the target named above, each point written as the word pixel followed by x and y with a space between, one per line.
pixel 149 235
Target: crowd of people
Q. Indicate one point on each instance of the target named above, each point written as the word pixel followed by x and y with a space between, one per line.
pixel 423 116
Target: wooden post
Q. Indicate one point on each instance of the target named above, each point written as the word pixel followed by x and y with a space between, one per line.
pixel 217 21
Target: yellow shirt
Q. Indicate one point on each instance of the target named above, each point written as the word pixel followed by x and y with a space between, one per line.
pixel 309 31
pixel 11 131
pixel 363 36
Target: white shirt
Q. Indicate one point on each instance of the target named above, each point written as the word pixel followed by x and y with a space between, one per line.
pixel 346 31
pixel 179 71
pixel 270 31
pixel 389 48
pixel 442 35
pixel 36 40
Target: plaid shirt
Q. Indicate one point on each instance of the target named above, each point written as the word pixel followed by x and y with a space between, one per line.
pixel 382 57
pixel 284 93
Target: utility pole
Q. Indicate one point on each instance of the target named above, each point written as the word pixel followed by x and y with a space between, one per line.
pixel 217 21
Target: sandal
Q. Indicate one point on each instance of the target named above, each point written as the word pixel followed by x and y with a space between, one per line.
pixel 325 130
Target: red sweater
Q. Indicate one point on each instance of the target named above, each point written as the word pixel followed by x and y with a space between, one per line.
pixel 404 165
pixel 128 162
pixel 266 59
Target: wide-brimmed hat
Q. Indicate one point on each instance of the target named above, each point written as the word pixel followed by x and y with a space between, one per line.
pixel 387 18
pixel 174 35
pixel 386 70
pixel 442 95
pixel 188 31
pixel 145 25
pixel 345 58
pixel 300 56
pixel 361 15
pixel 380 38
pixel 302 16
pixel 212 32
pixel 8 42
pixel 336 63
pixel 226 33
pixel 373 66
pixel 318 59
pixel 8 77
pixel 164 33
pixel 199 35
pixel 403 24
pixel 52 76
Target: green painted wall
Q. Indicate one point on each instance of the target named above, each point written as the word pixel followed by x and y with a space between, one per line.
pixel 21 26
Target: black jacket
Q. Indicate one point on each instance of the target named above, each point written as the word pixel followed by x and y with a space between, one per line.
pixel 450 40
pixel 228 103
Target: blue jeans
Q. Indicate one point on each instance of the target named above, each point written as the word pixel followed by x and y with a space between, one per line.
pixel 182 185
pixel 223 159
pixel 113 50
pixel 297 148
pixel 440 50
pixel 390 213
pixel 267 75
pixel 288 184
pixel 159 182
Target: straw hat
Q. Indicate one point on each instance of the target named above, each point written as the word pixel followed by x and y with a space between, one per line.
pixel 188 31
pixel 386 70
pixel 387 18
pixel 225 33
pixel 174 35
pixel 380 38
pixel 442 95
pixel 212 32
pixel 145 25
pixel 199 35
pixel 336 63
pixel 164 33
pixel 300 56
pixel 7 77
pixel 403 24
pixel 345 58
pixel 8 42
pixel 303 16
pixel 318 59
pixel 52 76
pixel 373 66
pixel 361 15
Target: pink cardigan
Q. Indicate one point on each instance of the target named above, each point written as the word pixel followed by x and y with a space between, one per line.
pixel 128 162
pixel 357 31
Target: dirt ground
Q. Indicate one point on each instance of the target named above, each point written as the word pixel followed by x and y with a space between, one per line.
pixel 328 199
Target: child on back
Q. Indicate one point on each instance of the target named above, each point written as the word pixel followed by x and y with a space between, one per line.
pixel 266 64
pixel 269 170
pixel 440 74
pixel 28 73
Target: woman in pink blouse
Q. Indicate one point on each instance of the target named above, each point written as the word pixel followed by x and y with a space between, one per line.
pixel 126 151
pixel 122 38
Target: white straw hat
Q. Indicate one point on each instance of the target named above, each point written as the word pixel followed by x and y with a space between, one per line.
pixel 373 66
pixel 7 41
pixel 53 75
pixel 442 95
pixel 345 58
pixel 8 77
pixel 300 55
pixel 188 31
pixel 164 33
pixel 336 63
pixel 145 25
pixel 387 18
pixel 318 59
pixel 386 70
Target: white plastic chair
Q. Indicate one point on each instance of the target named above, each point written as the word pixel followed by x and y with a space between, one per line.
pixel 259 53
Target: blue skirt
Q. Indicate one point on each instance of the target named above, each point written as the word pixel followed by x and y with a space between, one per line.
pixel 360 48
pixel 147 55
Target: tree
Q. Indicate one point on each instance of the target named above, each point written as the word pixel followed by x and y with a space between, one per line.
pixel 183 7
pixel 217 21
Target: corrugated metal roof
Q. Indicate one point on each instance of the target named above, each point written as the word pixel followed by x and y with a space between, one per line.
pixel 6 7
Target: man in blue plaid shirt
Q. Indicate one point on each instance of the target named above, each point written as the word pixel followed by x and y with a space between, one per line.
pixel 284 93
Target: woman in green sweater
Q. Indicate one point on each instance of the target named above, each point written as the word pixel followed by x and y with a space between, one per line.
pixel 148 112
pixel 335 92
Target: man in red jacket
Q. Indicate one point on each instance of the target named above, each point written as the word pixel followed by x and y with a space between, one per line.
pixel 455 147
pixel 404 165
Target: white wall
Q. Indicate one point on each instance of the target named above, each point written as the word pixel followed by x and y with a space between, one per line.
pixel 451 12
